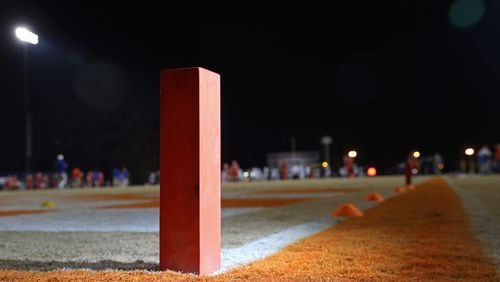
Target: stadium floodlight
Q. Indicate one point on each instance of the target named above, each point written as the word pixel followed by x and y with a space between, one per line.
pixel 352 154
pixel 26 35
pixel 416 154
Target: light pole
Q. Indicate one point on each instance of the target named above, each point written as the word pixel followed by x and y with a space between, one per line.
pixel 469 152
pixel 352 154
pixel 327 141
pixel 293 148
pixel 27 37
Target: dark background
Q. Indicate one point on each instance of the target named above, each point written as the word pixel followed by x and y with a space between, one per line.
pixel 382 78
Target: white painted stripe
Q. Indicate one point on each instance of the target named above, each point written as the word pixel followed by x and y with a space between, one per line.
pixel 482 221
pixel 282 195
pixel 470 202
pixel 95 220
pixel 227 212
pixel 271 244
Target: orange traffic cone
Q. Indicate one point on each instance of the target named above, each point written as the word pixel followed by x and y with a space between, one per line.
pixel 347 210
pixel 410 187
pixel 374 197
pixel 400 190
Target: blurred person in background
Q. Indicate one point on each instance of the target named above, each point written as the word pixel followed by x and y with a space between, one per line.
pixel 76 176
pixel 437 163
pixel 116 175
pixel 98 178
pixel 89 178
pixel 38 180
pixel 29 181
pixel 45 181
pixel 225 172
pixel 412 167
pixel 496 158
pixel 124 178
pixel 55 180
pixel 152 178
pixel 284 170
pixel 484 160
pixel 234 171
pixel 61 167
pixel 349 165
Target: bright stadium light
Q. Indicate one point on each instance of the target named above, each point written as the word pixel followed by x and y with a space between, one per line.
pixel 416 154
pixel 469 151
pixel 25 35
pixel 352 154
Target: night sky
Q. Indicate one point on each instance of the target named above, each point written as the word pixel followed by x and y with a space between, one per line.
pixel 380 78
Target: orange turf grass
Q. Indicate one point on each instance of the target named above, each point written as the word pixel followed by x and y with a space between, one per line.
pixel 306 191
pixel 225 203
pixel 19 212
pixel 423 235
pixel 411 187
pixel 347 210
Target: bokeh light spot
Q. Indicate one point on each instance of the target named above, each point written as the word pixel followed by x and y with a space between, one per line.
pixel 101 86
pixel 465 13
pixel 371 171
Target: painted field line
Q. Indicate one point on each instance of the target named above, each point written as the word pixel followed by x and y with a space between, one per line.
pixel 482 221
pixel 271 244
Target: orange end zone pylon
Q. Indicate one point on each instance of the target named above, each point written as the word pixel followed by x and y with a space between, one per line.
pixel 190 200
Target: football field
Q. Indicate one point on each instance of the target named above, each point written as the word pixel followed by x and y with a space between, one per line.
pixel 445 229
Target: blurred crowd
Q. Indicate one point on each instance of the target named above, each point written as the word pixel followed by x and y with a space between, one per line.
pixel 290 170
pixel 485 162
pixel 58 179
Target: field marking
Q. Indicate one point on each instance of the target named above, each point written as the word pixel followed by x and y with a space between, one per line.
pixel 481 219
pixel 95 220
pixel 271 244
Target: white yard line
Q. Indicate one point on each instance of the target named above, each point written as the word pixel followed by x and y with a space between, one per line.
pixel 95 220
pixel 482 221
pixel 271 244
